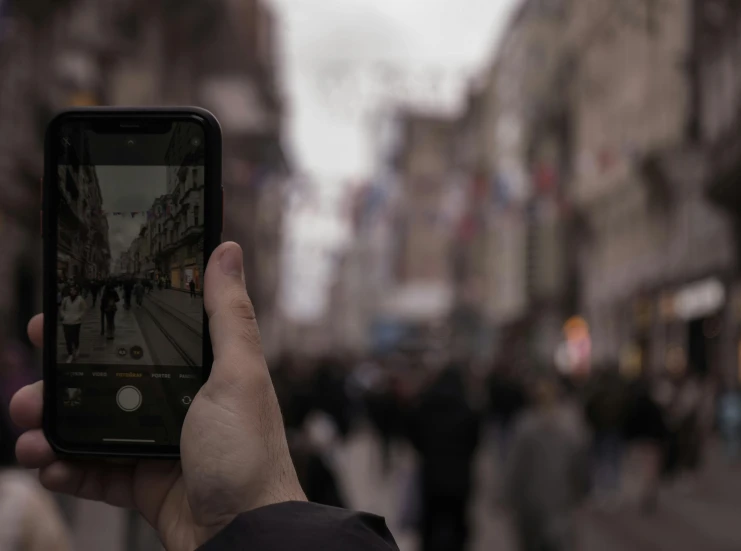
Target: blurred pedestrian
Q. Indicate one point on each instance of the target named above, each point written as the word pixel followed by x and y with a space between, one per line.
pixel 605 412
pixel 73 309
pixel 18 371
pixel 384 413
pixel 128 290
pixel 330 393
pixel 109 306
pixel 139 293
pixel 312 452
pixel 685 417
pixel 444 429
pixel 309 435
pixel 547 474
pixel 29 518
pixel 646 435
pixel 729 420
pixel 192 286
pixel 506 401
pixel 94 290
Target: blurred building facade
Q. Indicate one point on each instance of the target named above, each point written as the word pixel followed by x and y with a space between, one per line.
pixel 83 248
pixel 221 55
pixel 716 98
pixel 654 286
pixel 586 175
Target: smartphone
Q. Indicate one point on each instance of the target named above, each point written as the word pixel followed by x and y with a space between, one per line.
pixel 132 210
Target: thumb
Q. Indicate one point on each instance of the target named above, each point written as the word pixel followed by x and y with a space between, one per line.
pixel 235 336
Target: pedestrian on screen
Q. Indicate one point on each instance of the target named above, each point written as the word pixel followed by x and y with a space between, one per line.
pixel 192 286
pixel 109 303
pixel 235 486
pixel 94 290
pixel 72 309
pixel 139 293
pixel 128 288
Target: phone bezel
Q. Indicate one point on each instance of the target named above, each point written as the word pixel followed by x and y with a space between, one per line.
pixel 213 224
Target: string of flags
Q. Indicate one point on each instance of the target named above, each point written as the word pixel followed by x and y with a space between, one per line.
pixel 150 214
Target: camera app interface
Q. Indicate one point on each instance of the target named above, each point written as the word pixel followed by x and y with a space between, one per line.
pixel 129 331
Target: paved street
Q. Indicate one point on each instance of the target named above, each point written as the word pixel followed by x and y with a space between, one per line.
pixel 707 518
pixel 168 328
pixel 96 349
pixel 172 322
pixel 189 309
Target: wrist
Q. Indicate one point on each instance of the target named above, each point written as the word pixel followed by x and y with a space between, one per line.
pixel 284 494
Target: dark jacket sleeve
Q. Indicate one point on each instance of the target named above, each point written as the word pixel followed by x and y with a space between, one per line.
pixel 298 526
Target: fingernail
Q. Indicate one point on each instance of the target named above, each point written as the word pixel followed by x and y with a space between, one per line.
pixel 231 261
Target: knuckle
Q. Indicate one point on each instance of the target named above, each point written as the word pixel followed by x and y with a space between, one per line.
pixel 241 307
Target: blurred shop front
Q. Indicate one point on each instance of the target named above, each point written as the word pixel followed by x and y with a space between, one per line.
pixel 687 326
pixel 696 326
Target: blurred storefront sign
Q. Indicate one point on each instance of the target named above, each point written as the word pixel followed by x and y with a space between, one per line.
pixel 698 300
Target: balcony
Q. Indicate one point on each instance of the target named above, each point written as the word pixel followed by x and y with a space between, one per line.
pixel 191 234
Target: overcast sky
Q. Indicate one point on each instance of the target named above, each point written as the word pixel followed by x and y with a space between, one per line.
pixel 128 189
pixel 342 61
pixel 341 57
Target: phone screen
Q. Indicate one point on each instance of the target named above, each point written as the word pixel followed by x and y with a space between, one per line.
pixel 129 281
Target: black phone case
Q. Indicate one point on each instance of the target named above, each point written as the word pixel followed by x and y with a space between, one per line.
pixel 212 238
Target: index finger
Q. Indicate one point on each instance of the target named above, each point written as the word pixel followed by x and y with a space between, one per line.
pixel 27 405
pixel 36 330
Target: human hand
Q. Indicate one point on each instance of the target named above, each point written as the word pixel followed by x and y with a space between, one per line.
pixel 234 455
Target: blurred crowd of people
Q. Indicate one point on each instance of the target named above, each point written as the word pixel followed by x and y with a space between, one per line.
pixel 608 438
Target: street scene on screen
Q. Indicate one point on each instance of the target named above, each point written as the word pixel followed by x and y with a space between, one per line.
pixel 130 265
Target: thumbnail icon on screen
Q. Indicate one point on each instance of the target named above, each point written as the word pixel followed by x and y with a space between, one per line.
pixel 72 397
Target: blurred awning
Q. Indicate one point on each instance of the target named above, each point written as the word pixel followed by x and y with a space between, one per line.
pixel 419 302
